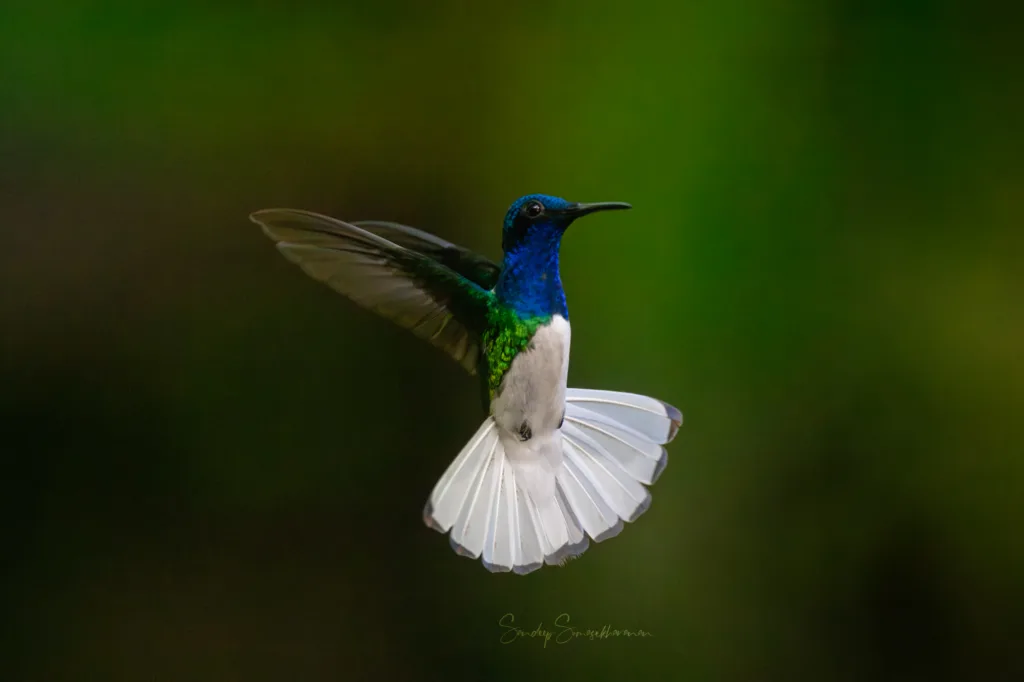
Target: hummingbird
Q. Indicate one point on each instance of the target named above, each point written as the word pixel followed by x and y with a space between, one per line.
pixel 551 467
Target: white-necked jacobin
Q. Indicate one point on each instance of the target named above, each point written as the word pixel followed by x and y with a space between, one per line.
pixel 550 465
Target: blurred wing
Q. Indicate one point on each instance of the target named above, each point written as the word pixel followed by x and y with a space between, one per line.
pixel 409 288
pixel 472 266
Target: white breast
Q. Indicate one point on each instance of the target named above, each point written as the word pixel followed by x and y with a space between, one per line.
pixel 533 390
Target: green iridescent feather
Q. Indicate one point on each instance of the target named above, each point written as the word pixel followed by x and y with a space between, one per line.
pixel 505 335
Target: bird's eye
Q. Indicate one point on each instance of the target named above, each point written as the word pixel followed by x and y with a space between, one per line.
pixel 533 209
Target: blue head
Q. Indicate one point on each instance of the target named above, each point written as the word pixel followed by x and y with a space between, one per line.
pixel 531 237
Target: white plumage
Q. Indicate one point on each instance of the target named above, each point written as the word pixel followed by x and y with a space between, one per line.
pixel 551 467
pixel 519 503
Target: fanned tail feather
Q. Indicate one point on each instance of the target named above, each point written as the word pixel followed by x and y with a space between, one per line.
pixel 520 505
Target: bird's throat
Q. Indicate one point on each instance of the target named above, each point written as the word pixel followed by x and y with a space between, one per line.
pixel 530 282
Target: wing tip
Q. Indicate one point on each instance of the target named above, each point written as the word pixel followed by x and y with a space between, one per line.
pixel 258 218
pixel 263 215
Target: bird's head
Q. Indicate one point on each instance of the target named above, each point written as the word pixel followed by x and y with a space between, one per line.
pixel 538 218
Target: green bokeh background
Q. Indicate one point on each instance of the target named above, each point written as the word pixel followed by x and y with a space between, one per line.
pixel 216 466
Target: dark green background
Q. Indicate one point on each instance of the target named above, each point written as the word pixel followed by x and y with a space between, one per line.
pixel 215 467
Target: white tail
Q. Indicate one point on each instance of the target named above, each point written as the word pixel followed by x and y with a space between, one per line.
pixel 521 504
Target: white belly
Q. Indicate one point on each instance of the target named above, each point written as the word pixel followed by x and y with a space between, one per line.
pixel 531 400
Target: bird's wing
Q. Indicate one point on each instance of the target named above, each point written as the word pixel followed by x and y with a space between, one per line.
pixel 417 292
pixel 472 266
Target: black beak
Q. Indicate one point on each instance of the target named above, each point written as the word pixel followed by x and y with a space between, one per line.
pixel 579 210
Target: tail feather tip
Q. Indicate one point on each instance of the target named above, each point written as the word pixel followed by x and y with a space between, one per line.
pixel 659 467
pixel 523 569
pixel 641 508
pixel 429 521
pixel 496 568
pixel 676 417
pixel 562 556
pixel 611 532
pixel 461 550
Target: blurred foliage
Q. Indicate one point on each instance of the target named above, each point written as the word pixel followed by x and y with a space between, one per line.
pixel 216 466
